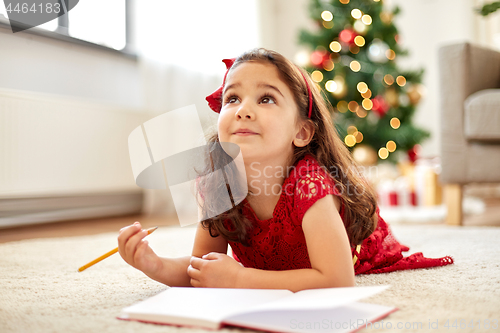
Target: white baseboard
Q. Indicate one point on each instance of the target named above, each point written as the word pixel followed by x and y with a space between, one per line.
pixel 33 210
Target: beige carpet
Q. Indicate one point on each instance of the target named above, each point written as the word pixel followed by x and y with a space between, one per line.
pixel 41 290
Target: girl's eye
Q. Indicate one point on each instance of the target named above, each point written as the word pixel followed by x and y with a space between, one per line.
pixel 231 99
pixel 268 100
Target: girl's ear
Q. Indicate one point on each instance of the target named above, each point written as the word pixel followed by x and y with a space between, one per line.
pixel 304 134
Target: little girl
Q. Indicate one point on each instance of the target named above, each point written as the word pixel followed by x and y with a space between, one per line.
pixel 309 220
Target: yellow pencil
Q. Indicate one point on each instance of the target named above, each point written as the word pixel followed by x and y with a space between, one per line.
pixel 104 256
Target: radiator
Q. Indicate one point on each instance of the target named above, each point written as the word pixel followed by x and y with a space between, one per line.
pixel 62 158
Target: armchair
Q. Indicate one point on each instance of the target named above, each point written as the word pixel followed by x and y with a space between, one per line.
pixel 470 120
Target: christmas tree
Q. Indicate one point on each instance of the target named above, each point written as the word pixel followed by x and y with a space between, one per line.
pixel 353 57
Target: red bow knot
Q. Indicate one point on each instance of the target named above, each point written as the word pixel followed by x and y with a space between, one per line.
pixel 215 99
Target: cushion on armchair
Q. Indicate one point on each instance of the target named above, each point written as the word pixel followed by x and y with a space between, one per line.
pixel 482 116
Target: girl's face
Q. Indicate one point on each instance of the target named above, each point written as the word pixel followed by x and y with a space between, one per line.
pixel 258 113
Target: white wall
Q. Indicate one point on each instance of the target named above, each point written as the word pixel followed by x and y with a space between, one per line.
pixel 487 29
pixel 66 111
pixel 424 26
pixel 281 21
pixel 40 64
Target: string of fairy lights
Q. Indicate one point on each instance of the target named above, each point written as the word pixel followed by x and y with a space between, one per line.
pixel 353 40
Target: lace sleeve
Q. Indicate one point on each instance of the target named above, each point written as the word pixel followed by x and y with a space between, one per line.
pixel 311 187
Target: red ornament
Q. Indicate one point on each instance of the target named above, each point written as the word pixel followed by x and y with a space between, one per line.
pixel 413 153
pixel 319 57
pixel 347 36
pixel 393 198
pixel 380 106
pixel 413 198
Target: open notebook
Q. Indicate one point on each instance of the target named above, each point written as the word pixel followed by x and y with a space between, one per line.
pixel 312 310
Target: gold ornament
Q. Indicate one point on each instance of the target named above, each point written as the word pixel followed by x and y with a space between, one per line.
pixel 383 153
pixel 341 90
pixel 415 93
pixel 386 17
pixel 391 96
pixel 395 123
pixel 364 155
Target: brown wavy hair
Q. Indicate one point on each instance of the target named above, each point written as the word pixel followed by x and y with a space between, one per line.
pixel 360 218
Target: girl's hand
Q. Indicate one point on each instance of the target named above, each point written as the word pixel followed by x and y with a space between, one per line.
pixel 214 270
pixel 136 251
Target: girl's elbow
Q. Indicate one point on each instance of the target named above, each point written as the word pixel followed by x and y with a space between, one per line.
pixel 334 280
pixel 350 283
pixel 343 281
pixel 336 283
pixel 349 280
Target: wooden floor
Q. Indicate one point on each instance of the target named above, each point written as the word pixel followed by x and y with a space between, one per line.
pixel 491 217
pixel 81 227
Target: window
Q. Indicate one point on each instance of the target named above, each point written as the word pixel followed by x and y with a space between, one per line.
pixel 108 19
pixel 2 10
pixel 195 34
pixel 95 21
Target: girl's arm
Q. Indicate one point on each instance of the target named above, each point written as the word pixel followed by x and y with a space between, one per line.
pixel 328 248
pixel 329 252
pixel 170 271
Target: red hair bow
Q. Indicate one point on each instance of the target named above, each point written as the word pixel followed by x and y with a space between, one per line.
pixel 215 99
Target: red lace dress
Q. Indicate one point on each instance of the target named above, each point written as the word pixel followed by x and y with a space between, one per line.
pixel 279 242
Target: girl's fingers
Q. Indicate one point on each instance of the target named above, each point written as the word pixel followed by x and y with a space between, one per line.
pixel 193 272
pixel 196 262
pixel 128 240
pixel 211 256
pixel 128 226
pixel 195 283
pixel 134 241
pixel 130 244
pixel 127 232
pixel 140 250
pixel 124 236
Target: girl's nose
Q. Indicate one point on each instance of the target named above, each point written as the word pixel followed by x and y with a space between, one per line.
pixel 245 112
